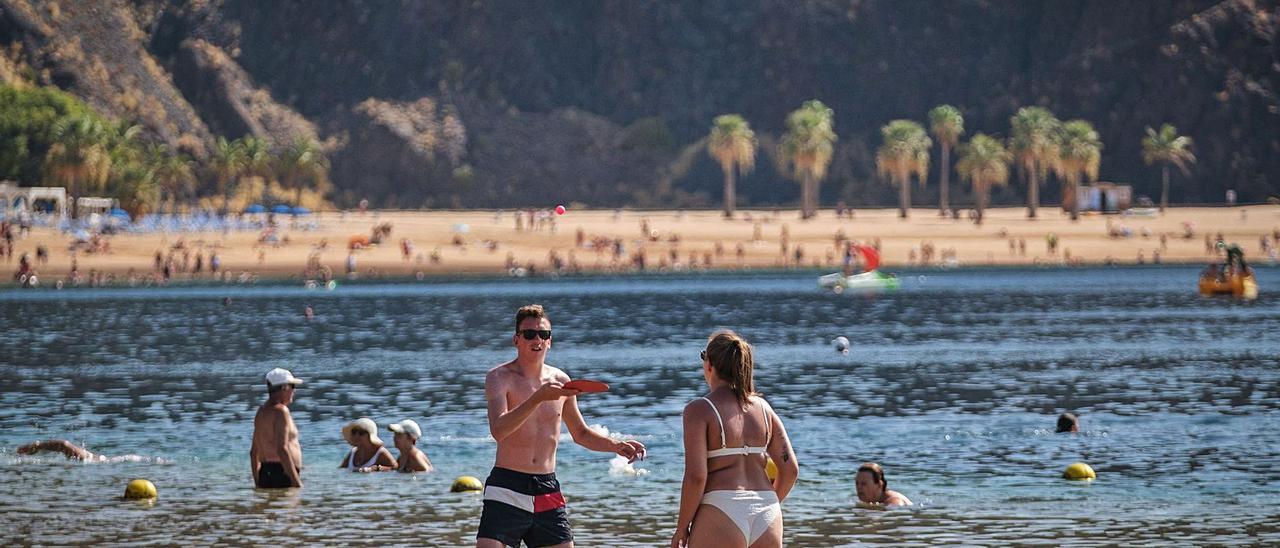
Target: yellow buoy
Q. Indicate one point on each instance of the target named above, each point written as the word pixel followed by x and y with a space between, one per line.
pixel 140 489
pixel 771 469
pixel 466 483
pixel 1079 471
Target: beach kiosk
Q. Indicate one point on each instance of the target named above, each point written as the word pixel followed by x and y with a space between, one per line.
pixel 1103 197
pixel 87 206
pixel 16 200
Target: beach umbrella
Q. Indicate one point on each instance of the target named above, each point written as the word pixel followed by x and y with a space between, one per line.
pixel 299 210
pixel 255 208
pixel 117 212
pixel 281 208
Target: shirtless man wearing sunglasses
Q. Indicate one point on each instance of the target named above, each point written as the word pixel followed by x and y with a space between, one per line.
pixel 527 402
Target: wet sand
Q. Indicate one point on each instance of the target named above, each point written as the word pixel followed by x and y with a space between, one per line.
pixel 902 241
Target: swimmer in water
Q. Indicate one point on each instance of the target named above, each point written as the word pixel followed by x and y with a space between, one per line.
pixel 1068 423
pixel 368 453
pixel 873 489
pixel 70 450
pixel 411 458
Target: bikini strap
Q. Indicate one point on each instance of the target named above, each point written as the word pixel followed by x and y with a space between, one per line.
pixel 723 444
pixel 768 431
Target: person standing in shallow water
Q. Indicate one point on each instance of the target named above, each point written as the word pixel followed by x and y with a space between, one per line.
pixel 275 458
pixel 727 498
pixel 527 401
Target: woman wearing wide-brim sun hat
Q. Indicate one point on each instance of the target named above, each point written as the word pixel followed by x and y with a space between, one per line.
pixel 368 453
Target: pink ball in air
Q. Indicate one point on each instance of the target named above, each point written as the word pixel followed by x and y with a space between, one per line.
pixel 559 210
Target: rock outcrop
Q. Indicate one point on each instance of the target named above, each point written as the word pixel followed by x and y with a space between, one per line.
pixel 592 100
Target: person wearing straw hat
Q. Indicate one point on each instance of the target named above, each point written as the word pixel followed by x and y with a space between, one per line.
pixel 368 453
pixel 275 437
pixel 406 437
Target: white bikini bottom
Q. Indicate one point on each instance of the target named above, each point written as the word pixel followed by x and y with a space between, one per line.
pixel 751 511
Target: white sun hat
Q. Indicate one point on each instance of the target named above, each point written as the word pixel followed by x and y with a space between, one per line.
pixel 278 376
pixel 407 426
pixel 363 423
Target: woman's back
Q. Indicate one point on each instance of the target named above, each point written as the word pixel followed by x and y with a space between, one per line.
pixel 736 442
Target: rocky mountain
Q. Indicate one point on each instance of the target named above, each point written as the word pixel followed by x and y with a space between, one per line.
pixel 454 103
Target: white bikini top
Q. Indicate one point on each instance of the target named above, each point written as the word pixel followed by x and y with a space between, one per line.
pixel 351 460
pixel 725 451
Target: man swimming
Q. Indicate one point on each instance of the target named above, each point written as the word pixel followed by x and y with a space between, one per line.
pixel 275 457
pixel 873 488
pixel 527 402
pixel 1068 423
pixel 68 449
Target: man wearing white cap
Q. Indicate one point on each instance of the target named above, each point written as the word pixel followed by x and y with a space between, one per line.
pixel 275 456
pixel 411 458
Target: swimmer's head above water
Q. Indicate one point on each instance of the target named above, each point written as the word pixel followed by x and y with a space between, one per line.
pixel 406 432
pixel 1067 422
pixel 873 488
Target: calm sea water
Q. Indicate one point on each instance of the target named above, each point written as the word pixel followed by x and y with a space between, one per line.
pixel 953 385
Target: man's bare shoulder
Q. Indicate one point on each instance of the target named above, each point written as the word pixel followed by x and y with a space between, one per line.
pixel 555 373
pixel 272 411
pixel 500 373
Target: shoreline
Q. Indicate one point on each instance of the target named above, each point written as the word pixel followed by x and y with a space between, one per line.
pixel 460 277
pixel 453 245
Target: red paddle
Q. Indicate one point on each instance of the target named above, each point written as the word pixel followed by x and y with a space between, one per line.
pixel 586 386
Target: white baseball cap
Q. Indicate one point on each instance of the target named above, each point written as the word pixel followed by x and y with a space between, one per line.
pixel 278 376
pixel 363 423
pixel 406 426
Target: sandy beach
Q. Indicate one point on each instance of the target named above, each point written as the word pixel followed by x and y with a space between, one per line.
pixel 489 242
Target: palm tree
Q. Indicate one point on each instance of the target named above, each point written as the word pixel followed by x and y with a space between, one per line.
pixel 807 148
pixel 134 184
pixel 301 163
pixel 1079 154
pixel 1167 147
pixel 1035 149
pixel 79 154
pixel 733 144
pixel 121 138
pixel 171 172
pixel 905 152
pixel 984 163
pixel 947 125
pixel 226 164
pixel 257 160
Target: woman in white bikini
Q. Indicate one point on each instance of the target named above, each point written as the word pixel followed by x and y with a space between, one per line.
pixel 368 453
pixel 727 498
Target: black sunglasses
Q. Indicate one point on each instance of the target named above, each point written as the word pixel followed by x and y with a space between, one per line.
pixel 703 355
pixel 529 334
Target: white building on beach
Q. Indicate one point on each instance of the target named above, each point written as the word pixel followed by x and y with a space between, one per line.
pixel 16 200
